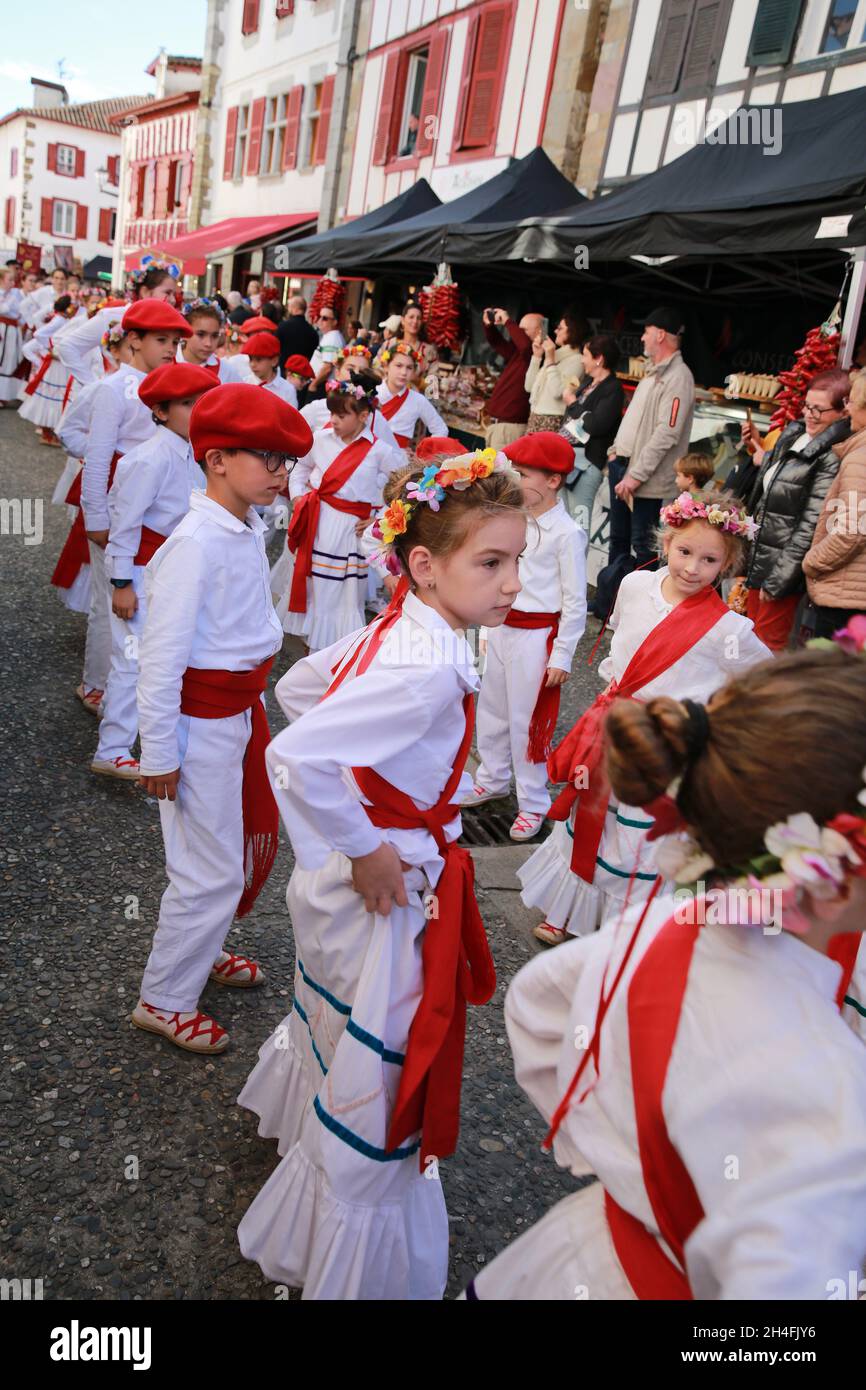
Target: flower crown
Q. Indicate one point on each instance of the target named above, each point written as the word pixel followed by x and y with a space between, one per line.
pixel 429 489
pixel 799 854
pixel 355 350
pixel 403 349
pixel 691 507
pixel 149 263
pixel 354 391
pixel 210 304
pixel 113 336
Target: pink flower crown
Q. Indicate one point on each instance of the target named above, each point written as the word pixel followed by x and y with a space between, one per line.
pixel 689 507
pixel 113 336
pixel 354 392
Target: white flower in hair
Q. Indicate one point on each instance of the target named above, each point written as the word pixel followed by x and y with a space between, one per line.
pixel 681 858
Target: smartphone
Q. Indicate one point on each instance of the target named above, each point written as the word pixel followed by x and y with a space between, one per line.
pixel 488 316
pixel 545 329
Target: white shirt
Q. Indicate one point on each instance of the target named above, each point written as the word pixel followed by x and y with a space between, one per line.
pixel 12 304
pixel 729 646
pixel 41 342
pixel 237 369
pixel 317 415
pixel 209 606
pixel 403 717
pixel 368 479
pixel 284 389
pixel 79 348
pixel 329 346
pixel 763 1070
pixel 415 407
pixel 118 422
pixel 152 487
pixel 552 571
pixel 75 421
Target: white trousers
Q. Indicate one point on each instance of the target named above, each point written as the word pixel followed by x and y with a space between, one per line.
pixel 97 647
pixel 118 729
pixel 516 662
pixel 203 835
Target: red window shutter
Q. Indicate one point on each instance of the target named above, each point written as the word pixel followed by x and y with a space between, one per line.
pixel 13 161
pixel 149 190
pixel 79 164
pixel 114 168
pixel 46 221
pixel 10 217
pixel 385 128
pixel 324 120
pixel 52 159
pixel 250 21
pixel 231 137
pixel 293 127
pixel 81 222
pixel 254 140
pixel 487 74
pixel 105 224
pixel 160 202
pixel 185 186
pixel 427 127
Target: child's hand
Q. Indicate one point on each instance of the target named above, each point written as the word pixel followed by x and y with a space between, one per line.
pixel 164 787
pixel 124 602
pixel 360 527
pixel 99 538
pixel 378 877
pixel 555 677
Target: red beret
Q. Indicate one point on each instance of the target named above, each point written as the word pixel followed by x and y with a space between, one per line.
pixel 259 323
pixel 262 345
pixel 238 416
pixel 299 365
pixel 152 316
pixel 174 382
pixel 543 449
pixel 436 445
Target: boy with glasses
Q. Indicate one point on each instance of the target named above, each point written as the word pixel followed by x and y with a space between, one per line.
pixel 209 642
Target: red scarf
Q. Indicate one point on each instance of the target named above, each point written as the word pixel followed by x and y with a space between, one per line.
pixel 389 410
pixel 217 695
pixel 458 966
pixel 542 725
pixel 584 746
pixel 148 546
pixel 76 552
pixel 305 516
pixel 34 381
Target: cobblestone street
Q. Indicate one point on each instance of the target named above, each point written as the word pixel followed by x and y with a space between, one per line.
pixel 126 1163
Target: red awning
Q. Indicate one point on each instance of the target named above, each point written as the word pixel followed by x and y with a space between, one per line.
pixel 194 249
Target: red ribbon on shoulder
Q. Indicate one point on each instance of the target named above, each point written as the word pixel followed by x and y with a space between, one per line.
pixel 305 516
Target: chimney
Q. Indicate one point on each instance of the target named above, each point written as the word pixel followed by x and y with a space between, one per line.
pixel 48 93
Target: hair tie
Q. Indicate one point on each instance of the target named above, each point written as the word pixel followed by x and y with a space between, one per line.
pixel 697 729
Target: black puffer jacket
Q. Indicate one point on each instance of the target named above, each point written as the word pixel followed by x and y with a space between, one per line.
pixel 788 514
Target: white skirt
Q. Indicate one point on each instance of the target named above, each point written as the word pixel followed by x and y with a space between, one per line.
pixel 77 597
pixel 340 1217
pixel 548 883
pixel 336 590
pixel 71 470
pixel 10 357
pixel 45 406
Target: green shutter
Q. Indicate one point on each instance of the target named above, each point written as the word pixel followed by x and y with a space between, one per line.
pixel 773 35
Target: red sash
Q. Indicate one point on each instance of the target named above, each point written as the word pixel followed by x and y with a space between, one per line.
pixel 843 949
pixel 404 440
pixel 150 543
pixel 13 323
pixel 67 393
pixel 542 725
pixel 458 966
pixel 305 516
pixel 75 552
pixel 389 410
pixel 213 367
pixel 34 381
pixel 584 746
pixel 217 695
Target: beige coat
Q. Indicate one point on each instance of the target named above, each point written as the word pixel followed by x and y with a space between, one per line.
pixel 655 429
pixel 835 565
pixel 545 384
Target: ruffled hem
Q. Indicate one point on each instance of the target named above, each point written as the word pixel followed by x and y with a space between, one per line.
pixel 280 1089
pixel 333 627
pixel 302 1235
pixel 77 597
pixel 42 413
pixel 547 882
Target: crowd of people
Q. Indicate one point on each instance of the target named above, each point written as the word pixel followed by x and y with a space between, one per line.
pixel 711 758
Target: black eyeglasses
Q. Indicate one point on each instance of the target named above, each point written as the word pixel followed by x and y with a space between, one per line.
pixel 274 462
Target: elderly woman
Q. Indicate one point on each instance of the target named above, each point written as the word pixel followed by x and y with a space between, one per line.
pixel 835 566
pixel 786 499
pixel 554 361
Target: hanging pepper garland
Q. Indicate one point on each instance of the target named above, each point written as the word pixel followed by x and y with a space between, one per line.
pixel 818 354
pixel 441 307
pixel 330 293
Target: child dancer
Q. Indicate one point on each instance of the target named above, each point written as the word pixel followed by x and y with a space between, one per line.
pixel 206 320
pixel 716 1091
pixel 299 372
pixel 208 645
pixel 321 580
pixel 529 658
pixel 150 496
pixel 11 303
pixel 672 634
pixel 399 402
pixel 354 357
pixel 263 352
pixel 45 394
pixel 371 1054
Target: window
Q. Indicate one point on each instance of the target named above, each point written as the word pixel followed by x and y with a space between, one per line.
pixel 139 187
pixel 250 18
pixel 63 218
pixel 107 224
pixel 483 77
pixel 241 141
pixel 416 76
pixel 314 111
pixel 13 161
pixel 274 134
pixel 840 22
pixel 66 160
pixel 112 165
pixel 689 39
pixel 174 185
pixel 774 32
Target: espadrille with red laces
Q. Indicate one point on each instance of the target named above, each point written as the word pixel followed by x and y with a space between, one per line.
pixel 194 1032
pixel 238 971
pixel 526 825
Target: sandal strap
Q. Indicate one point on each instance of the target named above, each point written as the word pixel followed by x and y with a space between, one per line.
pixel 233 965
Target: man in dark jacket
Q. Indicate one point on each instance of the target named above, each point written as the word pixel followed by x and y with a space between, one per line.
pixel 297 336
pixel 786 500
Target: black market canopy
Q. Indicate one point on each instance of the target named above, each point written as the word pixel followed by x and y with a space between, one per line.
pixel 324 249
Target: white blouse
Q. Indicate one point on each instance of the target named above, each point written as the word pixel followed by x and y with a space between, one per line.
pixel 152 487
pixel 119 421
pixel 368 479
pixel 415 407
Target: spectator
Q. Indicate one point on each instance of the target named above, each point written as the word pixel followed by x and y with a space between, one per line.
pixel 786 499
pixel 508 408
pixel 298 338
pixel 324 357
pixel 653 435
pixel 554 360
pixel 273 310
pixel 254 295
pixel 238 311
pixel 414 334
pixel 835 564
pixel 592 417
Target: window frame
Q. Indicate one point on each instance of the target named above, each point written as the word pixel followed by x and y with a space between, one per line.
pixel 66 173
pixel 242 131
pixel 461 152
pixel 409 60
pixel 56 205
pixel 274 134
pixel 311 113
pixel 858 25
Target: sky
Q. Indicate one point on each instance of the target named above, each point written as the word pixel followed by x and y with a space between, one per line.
pixel 104 46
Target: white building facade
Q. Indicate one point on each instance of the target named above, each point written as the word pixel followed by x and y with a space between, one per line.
pixel 60 176
pixel 687 64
